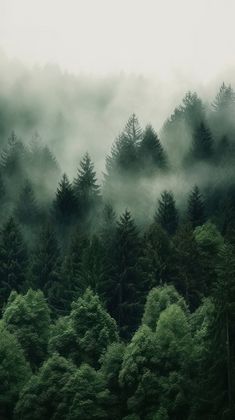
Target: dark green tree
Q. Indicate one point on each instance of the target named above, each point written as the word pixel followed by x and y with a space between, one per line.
pixel 158 256
pixel 151 153
pixel 27 212
pixel 85 396
pixel 124 153
pixel 14 372
pixel 224 299
pixel 43 394
pixel 45 267
pixel 86 188
pixel 127 286
pixel 28 318
pixel 189 275
pixel 158 299
pixel 196 208
pixel 202 147
pixel 167 215
pixel 111 366
pixel 65 203
pixel 90 329
pixel 13 260
pixel 139 374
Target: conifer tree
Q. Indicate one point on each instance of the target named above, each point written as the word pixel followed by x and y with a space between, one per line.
pixel 65 204
pixel 151 152
pixel 225 99
pixel 196 208
pixel 27 212
pixel 127 288
pixel 224 298
pixel 167 214
pixel 86 189
pixel 124 153
pixel 12 155
pixel 189 274
pixel 45 267
pixel 13 260
pixel 202 147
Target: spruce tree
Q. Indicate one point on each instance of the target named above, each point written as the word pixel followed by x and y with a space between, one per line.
pixel 27 212
pixel 225 99
pixel 86 189
pixel 127 287
pixel 13 260
pixel 124 153
pixel 224 298
pixel 202 147
pixel 45 267
pixel 65 203
pixel 151 153
pixel 196 208
pixel 167 215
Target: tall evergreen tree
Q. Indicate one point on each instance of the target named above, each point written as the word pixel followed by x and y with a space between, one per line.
pixel 127 288
pixel 202 147
pixel 188 274
pixel 167 215
pixel 45 267
pixel 224 298
pixel 196 208
pixel 65 203
pixel 151 152
pixel 86 188
pixel 124 153
pixel 13 260
pixel 225 99
pixel 27 212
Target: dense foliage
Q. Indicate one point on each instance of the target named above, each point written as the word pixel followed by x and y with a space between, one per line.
pixel 113 307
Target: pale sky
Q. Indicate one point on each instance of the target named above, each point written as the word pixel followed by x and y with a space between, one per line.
pixel 195 38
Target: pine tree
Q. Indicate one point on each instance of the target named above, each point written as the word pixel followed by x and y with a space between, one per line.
pixel 124 153
pixel 72 267
pixel 224 298
pixel 27 212
pixel 127 285
pixel 151 152
pixel 13 260
pixel 12 155
pixel 167 214
pixel 86 189
pixel 45 268
pixel 202 147
pixel 225 99
pixel 196 208
pixel 65 203
pixel 189 276
pixel 158 256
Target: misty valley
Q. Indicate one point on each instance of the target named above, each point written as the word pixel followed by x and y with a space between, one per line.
pixel 117 285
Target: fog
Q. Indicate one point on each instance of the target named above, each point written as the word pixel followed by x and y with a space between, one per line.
pixel 78 113
pixel 74 71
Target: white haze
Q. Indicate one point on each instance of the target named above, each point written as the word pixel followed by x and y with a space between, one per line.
pixel 83 66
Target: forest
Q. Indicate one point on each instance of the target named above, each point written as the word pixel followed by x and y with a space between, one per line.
pixel 117 291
